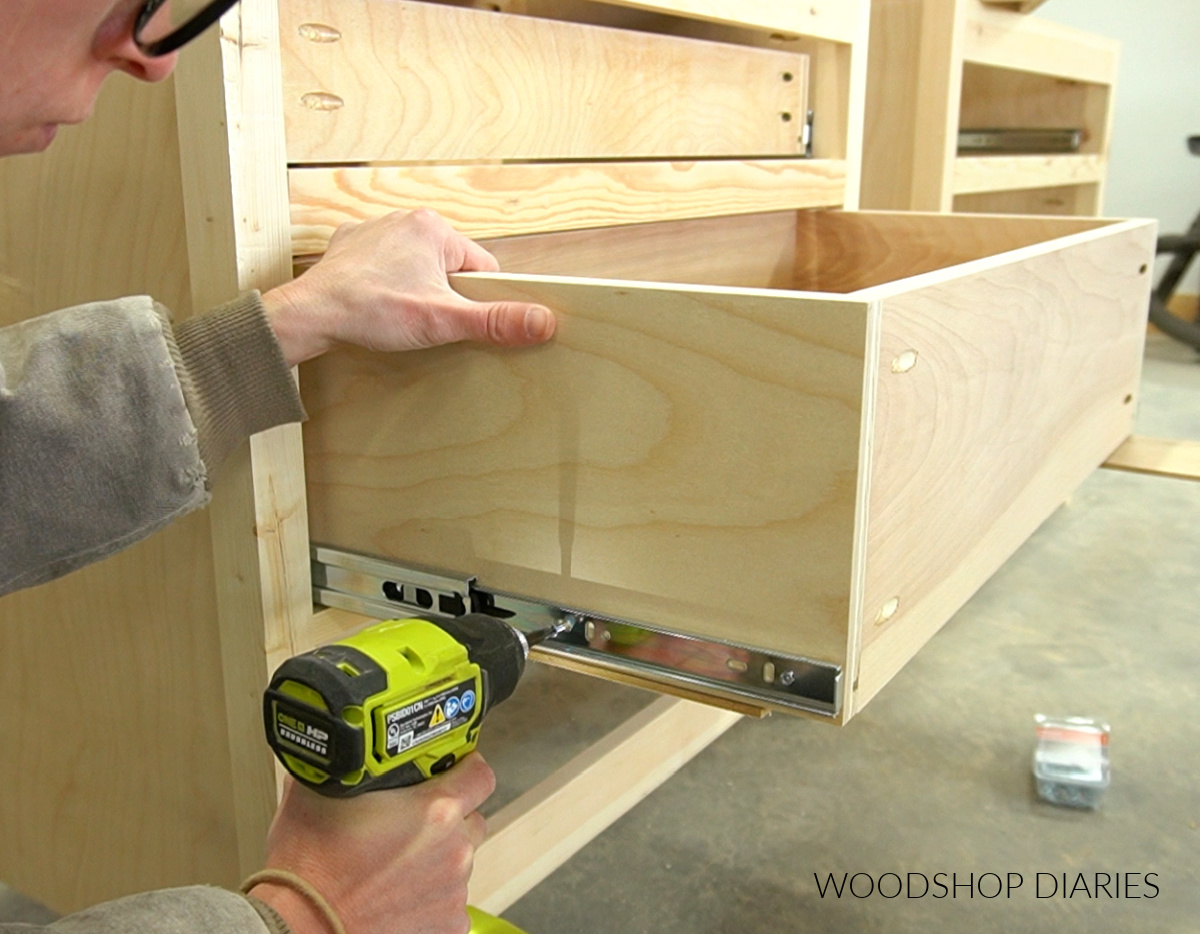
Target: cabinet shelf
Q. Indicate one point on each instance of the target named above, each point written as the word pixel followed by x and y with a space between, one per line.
pixel 978 174
pixel 1004 39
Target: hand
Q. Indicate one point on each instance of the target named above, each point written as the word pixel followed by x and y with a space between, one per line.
pixel 388 862
pixel 382 285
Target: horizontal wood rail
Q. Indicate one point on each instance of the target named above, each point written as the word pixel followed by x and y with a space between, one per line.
pixel 975 174
pixel 505 200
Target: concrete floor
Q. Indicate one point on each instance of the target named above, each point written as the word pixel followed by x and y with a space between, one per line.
pixel 1095 615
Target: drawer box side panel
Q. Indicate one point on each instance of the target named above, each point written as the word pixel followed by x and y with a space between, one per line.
pixel 680 457
pixel 998 393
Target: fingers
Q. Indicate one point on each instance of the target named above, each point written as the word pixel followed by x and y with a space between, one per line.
pixel 476 829
pixel 469 783
pixel 461 254
pixel 508 324
pixel 475 258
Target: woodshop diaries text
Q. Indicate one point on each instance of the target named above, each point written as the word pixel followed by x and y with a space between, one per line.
pixel 989 885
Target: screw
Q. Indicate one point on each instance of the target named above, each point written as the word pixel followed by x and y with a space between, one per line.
pixel 788 678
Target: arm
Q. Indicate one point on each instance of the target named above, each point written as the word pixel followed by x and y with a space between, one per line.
pixel 199 909
pixel 388 862
pixel 112 423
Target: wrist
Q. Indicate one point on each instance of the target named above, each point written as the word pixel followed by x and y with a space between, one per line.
pixel 301 915
pixel 294 329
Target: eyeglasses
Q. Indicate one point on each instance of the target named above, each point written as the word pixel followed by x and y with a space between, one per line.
pixel 165 25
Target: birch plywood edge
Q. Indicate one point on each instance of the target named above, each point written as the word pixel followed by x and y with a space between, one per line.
pixel 475 84
pixel 999 391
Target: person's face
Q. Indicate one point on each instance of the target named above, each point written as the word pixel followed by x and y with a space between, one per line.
pixel 54 55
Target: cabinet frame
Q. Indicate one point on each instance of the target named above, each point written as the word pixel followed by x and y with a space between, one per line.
pixel 935 63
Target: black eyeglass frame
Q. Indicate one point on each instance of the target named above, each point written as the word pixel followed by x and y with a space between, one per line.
pixel 184 33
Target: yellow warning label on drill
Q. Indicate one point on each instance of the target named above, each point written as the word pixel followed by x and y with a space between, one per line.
pixel 428 718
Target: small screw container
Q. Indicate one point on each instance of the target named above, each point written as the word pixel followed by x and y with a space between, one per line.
pixel 1070 764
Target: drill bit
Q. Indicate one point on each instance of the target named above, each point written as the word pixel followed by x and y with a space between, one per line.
pixel 549 632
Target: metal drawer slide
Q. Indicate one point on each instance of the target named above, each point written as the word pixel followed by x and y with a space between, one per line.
pixel 383 589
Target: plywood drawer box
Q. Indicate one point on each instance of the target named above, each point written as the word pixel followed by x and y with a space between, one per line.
pixel 801 435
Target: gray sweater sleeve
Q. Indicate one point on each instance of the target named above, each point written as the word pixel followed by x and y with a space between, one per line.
pixel 112 423
pixel 196 909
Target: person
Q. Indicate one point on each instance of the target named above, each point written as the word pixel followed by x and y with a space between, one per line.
pixel 126 417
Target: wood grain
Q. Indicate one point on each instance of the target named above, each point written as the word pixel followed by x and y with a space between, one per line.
pixel 232 152
pixel 479 85
pixel 975 174
pixel 846 251
pixel 663 458
pixel 891 98
pixel 914 86
pixel 834 37
pixel 746 251
pixel 1077 200
pixel 999 38
pixel 504 200
pixel 999 390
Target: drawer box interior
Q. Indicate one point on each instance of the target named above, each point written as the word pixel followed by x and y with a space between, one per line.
pixel 813 434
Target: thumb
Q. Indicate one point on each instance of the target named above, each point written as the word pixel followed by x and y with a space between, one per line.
pixel 508 324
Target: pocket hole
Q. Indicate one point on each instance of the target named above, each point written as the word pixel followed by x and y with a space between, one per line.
pixel 904 362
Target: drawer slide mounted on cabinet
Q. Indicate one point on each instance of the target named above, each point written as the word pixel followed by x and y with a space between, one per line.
pixel 719 670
